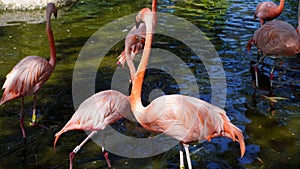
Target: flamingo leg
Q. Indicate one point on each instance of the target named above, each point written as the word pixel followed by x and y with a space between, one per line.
pixel 34 116
pixel 272 73
pixel 105 154
pixel 77 148
pixel 188 157
pixel 22 119
pixel 181 165
pixel 256 70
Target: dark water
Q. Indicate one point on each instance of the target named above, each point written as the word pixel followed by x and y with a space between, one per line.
pixel 271 130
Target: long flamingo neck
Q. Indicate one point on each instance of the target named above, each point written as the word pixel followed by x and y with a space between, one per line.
pixel 154 5
pixel 52 60
pixel 137 84
pixel 281 6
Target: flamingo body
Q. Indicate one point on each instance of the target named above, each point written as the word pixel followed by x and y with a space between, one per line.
pixel 267 11
pixel 276 38
pixel 187 119
pixel 26 78
pixel 98 111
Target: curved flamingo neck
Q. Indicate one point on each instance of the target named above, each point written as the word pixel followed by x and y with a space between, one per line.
pixel 280 7
pixel 135 97
pixel 154 5
pixel 52 60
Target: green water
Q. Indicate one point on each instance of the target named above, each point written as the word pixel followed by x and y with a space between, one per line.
pixel 271 130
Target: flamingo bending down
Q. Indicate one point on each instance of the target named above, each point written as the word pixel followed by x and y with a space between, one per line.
pixel 104 108
pixel 94 114
pixel 28 76
pixel 184 118
pixel 267 11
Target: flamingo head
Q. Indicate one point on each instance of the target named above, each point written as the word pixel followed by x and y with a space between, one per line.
pixel 51 9
pixel 71 125
pixel 140 18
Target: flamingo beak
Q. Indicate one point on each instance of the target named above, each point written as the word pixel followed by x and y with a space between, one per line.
pixel 137 24
pixel 55 14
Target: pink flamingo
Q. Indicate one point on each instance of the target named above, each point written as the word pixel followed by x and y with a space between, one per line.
pixel 94 114
pixel 276 38
pixel 103 108
pixel 134 43
pixel 266 11
pixel 184 118
pixel 29 75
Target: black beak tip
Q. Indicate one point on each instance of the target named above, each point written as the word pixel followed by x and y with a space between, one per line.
pixel 137 24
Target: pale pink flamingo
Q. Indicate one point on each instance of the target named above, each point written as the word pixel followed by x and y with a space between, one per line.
pixel 29 75
pixel 134 43
pixel 267 11
pixel 106 107
pixel 94 114
pixel 277 38
pixel 184 118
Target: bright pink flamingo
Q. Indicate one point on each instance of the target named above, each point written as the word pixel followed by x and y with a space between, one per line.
pixel 29 75
pixel 277 38
pixel 267 11
pixel 184 118
pixel 94 114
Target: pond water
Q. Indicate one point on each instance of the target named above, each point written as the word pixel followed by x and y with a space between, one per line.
pixel 271 130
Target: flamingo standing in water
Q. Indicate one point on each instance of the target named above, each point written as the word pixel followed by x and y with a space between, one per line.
pixel 106 107
pixel 277 38
pixel 29 75
pixel 267 11
pixel 94 114
pixel 184 118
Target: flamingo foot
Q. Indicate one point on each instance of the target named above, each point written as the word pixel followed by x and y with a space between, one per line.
pixel 38 125
pixel 105 154
pixel 34 123
pixel 71 157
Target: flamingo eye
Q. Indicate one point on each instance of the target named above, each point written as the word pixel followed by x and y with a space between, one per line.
pixel 78 122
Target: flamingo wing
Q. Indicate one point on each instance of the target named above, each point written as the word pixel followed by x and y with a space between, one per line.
pixel 26 78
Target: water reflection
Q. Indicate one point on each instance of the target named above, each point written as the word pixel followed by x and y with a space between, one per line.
pixel 271 129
